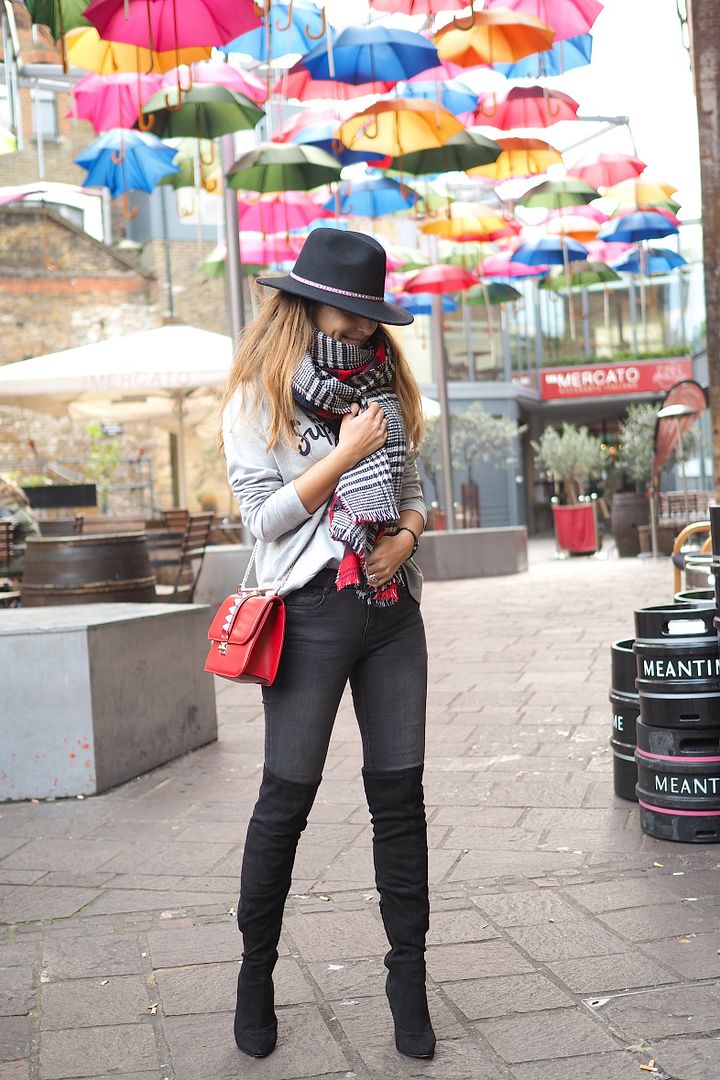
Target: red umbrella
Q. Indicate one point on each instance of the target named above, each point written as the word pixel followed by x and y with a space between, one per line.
pixel 418 7
pixel 525 107
pixel 303 119
pixel 298 83
pixel 501 266
pixel 568 18
pixel 163 25
pixel 440 278
pixel 607 169
pixel 242 82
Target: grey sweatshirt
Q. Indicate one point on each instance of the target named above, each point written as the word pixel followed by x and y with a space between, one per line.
pixel 263 484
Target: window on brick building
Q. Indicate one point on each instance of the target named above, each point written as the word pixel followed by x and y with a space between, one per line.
pixel 45 114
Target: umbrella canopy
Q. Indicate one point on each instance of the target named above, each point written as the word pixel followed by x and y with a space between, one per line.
pixel 405 258
pixel 112 101
pixel 273 167
pixel 492 37
pixel 209 71
pixel 399 127
pixel 278 213
pixel 198 165
pixel 86 49
pixel 467 254
pixel 600 251
pixel 452 94
pixel 492 293
pixel 205 111
pixel 519 158
pixel 549 250
pixel 504 266
pixel 299 84
pixel 525 107
pixel 418 7
pixel 421 303
pixel 554 194
pixel 606 170
pixel 575 225
pixel 167 24
pixel 565 55
pixel 374 197
pixel 362 54
pixel 582 275
pixel 484 224
pixel 636 193
pixel 126 161
pixel 640 225
pixel 8 141
pixel 58 15
pixel 440 278
pixel 324 136
pixel 259 250
pixel 461 152
pixel 566 17
pixel 652 261
pixel 291 26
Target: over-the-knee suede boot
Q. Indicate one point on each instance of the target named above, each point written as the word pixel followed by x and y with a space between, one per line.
pixel 397 808
pixel 279 817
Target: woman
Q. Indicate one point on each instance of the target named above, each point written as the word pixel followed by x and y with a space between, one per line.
pixel 321 423
pixel 15 507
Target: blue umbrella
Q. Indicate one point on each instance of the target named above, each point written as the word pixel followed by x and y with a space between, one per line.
pixel 324 135
pixel 455 96
pixel 549 251
pixel 293 28
pixel 563 56
pixel 125 160
pixel 655 261
pixel 371 53
pixel 421 303
pixel 640 225
pixel 373 197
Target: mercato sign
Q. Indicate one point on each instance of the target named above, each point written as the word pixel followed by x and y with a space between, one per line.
pixel 601 380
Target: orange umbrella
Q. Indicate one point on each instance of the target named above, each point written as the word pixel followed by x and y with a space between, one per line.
pixel 86 49
pixel 574 225
pixel 493 37
pixel 519 157
pixel 401 126
pixel 484 223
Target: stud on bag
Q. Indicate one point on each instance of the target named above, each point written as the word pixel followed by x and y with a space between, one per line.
pixel 246 636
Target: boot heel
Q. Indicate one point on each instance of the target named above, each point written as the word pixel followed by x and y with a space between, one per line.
pixel 414 1035
pixel 255 1021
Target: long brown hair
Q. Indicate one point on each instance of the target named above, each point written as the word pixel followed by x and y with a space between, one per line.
pixel 10 492
pixel 270 350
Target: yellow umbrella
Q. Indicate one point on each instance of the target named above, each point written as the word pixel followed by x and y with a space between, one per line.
pixel 483 224
pixel 493 37
pixel 639 192
pixel 519 157
pixel 86 49
pixel 400 126
pixel 8 142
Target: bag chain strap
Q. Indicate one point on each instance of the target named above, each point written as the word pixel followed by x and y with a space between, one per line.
pixel 242 587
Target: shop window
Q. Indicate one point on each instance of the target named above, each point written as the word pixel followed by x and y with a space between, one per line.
pixel 45 115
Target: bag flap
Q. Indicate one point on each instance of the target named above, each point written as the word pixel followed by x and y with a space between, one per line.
pixel 240 616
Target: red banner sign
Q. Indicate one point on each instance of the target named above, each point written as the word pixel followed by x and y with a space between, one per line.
pixel 626 377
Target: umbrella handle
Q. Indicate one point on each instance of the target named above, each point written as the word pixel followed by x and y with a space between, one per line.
pixel 467 26
pixel 128 213
pixel 174 108
pixel 281 29
pixel 487 113
pixel 323 27
pixel 210 184
pixel 553 107
pixel 145 123
pixel 376 132
pixel 117 157
pixel 211 159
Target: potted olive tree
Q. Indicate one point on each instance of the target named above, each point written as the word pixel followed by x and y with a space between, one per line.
pixel 570 457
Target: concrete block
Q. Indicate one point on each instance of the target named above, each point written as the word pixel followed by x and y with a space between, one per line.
pixel 473 553
pixel 96 694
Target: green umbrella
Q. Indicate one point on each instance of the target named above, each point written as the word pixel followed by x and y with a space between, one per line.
pixel 554 194
pixel 493 292
pixel 214 265
pixel 188 151
pixel 466 150
pixel 466 254
pixel 581 275
pixel 58 15
pixel 283 167
pixel 206 111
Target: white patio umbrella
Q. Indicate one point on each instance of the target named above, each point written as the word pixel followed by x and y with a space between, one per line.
pixel 164 375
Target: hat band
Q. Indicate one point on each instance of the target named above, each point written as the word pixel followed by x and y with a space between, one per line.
pixel 340 292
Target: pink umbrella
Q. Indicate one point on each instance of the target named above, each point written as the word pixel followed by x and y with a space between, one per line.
pixel 440 278
pixel 568 18
pixel 301 120
pixel 113 101
pixel 590 212
pixel 605 251
pixel 207 71
pixel 607 169
pixel 502 266
pixel 163 25
pixel 263 250
pixel 445 69
pixel 279 213
pixel 524 107
pixel 418 7
pixel 394 281
pixel 298 83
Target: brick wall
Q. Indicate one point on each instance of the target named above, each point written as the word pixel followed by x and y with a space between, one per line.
pixel 198 299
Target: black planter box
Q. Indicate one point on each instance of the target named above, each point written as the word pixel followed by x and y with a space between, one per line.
pixel 57 496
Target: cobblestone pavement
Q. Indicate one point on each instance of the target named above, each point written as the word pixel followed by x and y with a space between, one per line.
pixel 564 944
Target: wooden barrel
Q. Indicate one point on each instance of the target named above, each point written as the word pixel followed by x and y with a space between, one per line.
pixel 87 570
pixel 629 510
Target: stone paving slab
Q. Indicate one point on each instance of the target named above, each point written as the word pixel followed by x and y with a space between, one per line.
pixel 564 944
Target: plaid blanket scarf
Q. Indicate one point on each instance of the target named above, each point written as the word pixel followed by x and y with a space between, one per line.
pixel 328 380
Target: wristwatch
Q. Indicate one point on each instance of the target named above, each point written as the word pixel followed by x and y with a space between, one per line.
pixel 416 539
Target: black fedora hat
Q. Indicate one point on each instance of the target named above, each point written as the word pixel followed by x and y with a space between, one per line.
pixel 345 270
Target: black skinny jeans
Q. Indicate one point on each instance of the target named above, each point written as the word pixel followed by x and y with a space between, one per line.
pixel 331 637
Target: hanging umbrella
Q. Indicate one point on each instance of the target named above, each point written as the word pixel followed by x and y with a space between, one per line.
pixel 485 224
pixel 504 266
pixel 275 213
pixel 299 84
pixel 605 170
pixel 566 17
pixel 635 194
pixel 549 250
pixel 59 16
pixel 654 261
pixel 209 71
pixel 272 167
pixel 8 141
pixel 168 24
pixel 440 278
pixel 399 127
pixel 452 94
pixel 467 254
pixel 583 274
pixel 291 26
pixel 362 54
pixel 574 225
pixel 308 118
pixel 112 101
pixel 519 158
pixel 404 258
pixel 198 165
pixel 491 37
pixel 86 49
pixel 525 107
pixel 205 111
pixel 554 194
pixel 374 197
pixel 432 195
pixel 493 293
pixel 259 250
pixel 463 151
pixel 564 56
pixel 421 303
pixel 588 212
pixel 418 7
pixel 600 251
pixel 640 225
pixel 126 161
pixel 324 136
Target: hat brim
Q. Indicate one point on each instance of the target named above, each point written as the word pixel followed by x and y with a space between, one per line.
pixel 379 311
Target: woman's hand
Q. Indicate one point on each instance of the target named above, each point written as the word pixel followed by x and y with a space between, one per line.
pixel 361 433
pixel 387 557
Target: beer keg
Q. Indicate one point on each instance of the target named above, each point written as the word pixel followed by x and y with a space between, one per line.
pixel 679 783
pixel 678 666
pixel 625 708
